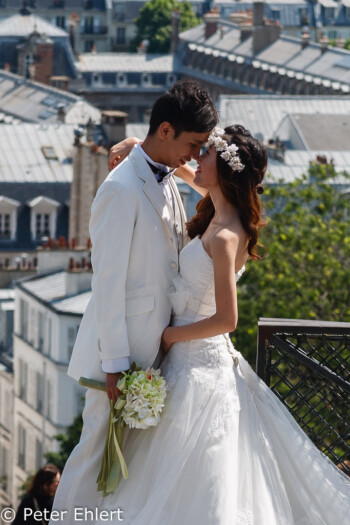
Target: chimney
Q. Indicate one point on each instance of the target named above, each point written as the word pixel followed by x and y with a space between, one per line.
pixel 265 32
pixel 61 112
pixel 175 29
pixel 258 13
pixel 340 42
pixel 305 39
pixel 114 125
pixel 74 32
pixel 324 44
pixel 211 20
pixel 44 60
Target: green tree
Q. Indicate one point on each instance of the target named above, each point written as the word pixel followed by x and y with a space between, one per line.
pixel 67 442
pixel 306 271
pixel 347 44
pixel 154 23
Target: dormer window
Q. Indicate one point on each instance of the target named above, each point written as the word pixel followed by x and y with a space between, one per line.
pixel 122 80
pixel 43 217
pixel 146 80
pixel 8 218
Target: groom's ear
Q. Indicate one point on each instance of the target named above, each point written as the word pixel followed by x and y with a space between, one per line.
pixel 166 131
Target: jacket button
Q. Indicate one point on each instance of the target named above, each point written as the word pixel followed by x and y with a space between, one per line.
pixel 173 265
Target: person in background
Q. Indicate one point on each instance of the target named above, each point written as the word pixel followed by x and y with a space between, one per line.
pixel 39 497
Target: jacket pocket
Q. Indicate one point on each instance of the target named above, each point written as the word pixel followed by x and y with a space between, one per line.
pixel 139 304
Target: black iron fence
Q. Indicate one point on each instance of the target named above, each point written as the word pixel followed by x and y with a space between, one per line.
pixel 307 365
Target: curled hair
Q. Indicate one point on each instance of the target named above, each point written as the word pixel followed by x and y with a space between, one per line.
pixel 187 107
pixel 239 188
pixel 44 477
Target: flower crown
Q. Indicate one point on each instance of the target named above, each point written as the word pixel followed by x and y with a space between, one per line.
pixel 229 153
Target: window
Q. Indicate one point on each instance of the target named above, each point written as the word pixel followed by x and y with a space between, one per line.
pixel 42 225
pixel 122 79
pixel 49 336
pixel 89 25
pixel 119 11
pixel 49 152
pixel 39 393
pixel 49 412
pixel 3 467
pixel 40 332
pixel 24 319
pixel 8 218
pixel 61 21
pixel 38 454
pixel 71 335
pixel 5 232
pixel 79 402
pixel 329 12
pixel 21 459
pixel 43 216
pixel 146 80
pixel 23 380
pixel 347 13
pixel 89 44
pixel 121 35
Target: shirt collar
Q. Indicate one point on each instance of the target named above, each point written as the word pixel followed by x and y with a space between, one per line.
pixel 156 164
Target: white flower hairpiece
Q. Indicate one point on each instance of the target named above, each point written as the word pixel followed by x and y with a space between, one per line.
pixel 229 153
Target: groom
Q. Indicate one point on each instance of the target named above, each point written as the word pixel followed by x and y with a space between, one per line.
pixel 137 230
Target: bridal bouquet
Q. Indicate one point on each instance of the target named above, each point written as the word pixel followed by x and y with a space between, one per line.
pixel 139 406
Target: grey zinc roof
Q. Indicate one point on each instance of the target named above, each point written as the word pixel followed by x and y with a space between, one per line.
pixel 263 114
pixel 76 304
pixel 53 289
pixel 332 65
pixel 19 25
pixel 47 288
pixel 316 131
pixel 22 158
pixel 35 102
pixel 296 164
pixel 124 62
pixel 6 294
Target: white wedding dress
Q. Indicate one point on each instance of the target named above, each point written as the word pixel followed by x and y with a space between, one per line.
pixel 226 451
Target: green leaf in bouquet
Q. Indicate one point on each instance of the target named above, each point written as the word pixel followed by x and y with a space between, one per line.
pixel 113 463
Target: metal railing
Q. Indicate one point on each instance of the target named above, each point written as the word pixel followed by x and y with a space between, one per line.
pixel 307 365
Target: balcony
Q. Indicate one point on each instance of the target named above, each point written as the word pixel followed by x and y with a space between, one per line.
pixel 307 365
pixel 90 30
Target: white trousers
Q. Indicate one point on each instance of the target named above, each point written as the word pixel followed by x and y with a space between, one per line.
pixel 77 491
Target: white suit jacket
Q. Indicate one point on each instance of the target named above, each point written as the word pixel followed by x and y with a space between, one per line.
pixel 136 239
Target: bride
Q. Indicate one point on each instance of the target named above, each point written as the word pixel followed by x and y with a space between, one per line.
pixel 226 451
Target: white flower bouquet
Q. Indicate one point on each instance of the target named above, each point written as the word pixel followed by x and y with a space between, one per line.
pixel 139 406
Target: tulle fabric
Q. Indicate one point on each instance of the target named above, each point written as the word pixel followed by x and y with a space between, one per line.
pixel 226 451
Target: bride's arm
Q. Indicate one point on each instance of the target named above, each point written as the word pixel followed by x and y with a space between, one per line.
pixel 186 173
pixel 119 151
pixel 223 250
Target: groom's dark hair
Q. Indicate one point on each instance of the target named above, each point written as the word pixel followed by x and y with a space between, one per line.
pixel 187 107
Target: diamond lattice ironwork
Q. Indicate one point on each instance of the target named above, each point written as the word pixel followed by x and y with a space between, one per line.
pixel 307 365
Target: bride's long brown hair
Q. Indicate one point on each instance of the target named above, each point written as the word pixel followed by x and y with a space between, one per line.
pixel 240 188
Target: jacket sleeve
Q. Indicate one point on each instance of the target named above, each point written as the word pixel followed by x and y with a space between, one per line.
pixel 113 216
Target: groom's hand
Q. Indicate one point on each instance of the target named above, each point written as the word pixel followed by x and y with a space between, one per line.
pixel 111 386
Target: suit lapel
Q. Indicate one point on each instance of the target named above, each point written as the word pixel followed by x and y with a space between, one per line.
pixel 180 215
pixel 152 189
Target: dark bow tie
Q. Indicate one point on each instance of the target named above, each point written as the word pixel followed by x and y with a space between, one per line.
pixel 159 173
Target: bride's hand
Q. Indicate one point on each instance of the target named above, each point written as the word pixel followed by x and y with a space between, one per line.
pixel 121 150
pixel 167 339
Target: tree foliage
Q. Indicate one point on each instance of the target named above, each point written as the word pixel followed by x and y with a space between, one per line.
pixel 306 271
pixel 154 23
pixel 67 442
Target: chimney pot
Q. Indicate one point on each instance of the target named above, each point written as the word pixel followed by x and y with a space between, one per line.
pixel 211 20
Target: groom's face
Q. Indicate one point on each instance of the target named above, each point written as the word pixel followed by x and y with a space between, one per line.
pixel 181 149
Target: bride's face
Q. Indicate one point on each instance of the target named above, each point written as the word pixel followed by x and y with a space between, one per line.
pixel 206 173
